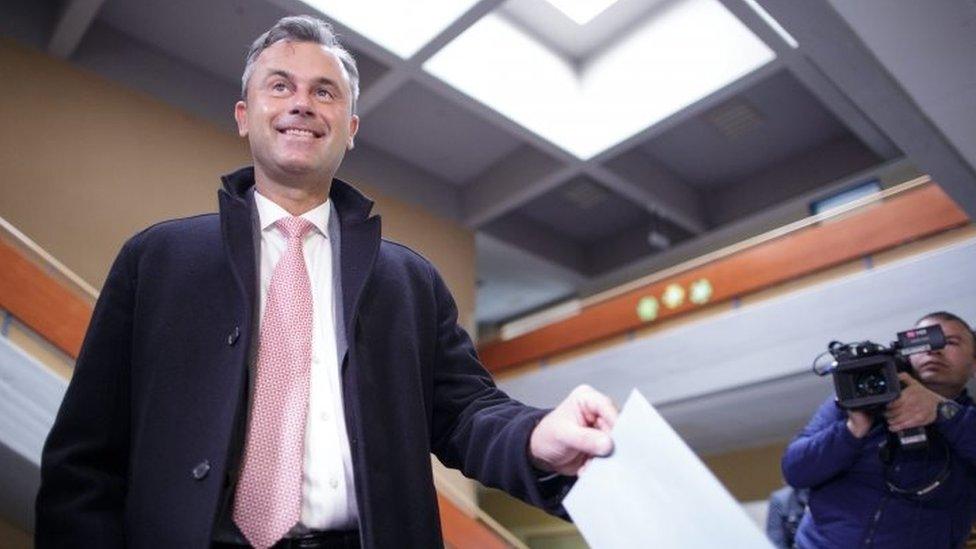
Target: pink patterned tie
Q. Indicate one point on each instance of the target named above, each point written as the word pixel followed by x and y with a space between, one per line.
pixel 269 492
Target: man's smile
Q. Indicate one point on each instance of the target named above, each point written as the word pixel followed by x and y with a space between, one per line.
pixel 300 131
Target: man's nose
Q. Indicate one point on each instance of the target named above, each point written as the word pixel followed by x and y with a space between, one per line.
pixel 301 107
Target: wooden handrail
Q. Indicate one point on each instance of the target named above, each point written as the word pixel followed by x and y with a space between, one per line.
pixel 459 530
pixel 913 214
pixel 41 302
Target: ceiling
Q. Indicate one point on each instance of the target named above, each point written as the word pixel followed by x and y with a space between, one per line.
pixel 562 143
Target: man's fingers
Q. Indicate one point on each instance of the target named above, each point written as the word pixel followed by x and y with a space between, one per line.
pixel 591 441
pixel 599 407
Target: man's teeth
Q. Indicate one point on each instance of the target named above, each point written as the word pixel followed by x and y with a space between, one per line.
pixel 299 132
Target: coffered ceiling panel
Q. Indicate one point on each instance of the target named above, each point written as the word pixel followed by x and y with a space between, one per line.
pixel 428 130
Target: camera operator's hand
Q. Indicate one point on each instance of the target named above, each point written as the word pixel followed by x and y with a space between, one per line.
pixel 916 407
pixel 859 423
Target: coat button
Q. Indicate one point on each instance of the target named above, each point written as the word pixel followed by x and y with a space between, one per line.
pixel 201 470
pixel 232 338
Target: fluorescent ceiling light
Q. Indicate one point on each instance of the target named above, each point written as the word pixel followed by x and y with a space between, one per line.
pixel 684 52
pixel 582 11
pixel 399 26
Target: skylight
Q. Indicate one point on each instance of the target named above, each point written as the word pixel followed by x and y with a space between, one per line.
pixel 582 11
pixel 681 53
pixel 401 27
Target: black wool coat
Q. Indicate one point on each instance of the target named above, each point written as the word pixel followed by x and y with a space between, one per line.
pixel 150 432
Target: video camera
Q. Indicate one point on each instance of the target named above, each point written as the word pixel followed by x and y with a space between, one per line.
pixel 866 374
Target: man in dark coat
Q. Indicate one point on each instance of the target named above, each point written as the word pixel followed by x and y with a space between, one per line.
pixel 277 374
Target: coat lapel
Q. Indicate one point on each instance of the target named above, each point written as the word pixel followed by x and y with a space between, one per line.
pixel 359 243
pixel 335 241
pixel 237 226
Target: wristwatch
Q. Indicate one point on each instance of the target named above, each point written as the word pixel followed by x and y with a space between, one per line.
pixel 947 409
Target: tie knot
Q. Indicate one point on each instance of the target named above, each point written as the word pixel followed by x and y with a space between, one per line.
pixel 294 227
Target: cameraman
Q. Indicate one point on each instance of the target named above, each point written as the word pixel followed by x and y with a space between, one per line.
pixel 838 456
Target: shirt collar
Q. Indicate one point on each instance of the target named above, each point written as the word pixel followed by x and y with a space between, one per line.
pixel 269 213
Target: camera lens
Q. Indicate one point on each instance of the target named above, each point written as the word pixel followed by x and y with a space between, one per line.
pixel 871 383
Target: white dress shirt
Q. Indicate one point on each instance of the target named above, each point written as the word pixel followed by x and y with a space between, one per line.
pixel 328 494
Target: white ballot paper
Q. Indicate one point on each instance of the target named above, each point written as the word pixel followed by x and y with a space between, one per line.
pixel 653 491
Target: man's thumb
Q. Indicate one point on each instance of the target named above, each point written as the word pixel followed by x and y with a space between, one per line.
pixel 593 442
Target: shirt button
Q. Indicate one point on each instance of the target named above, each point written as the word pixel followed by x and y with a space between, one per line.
pixel 324 416
pixel 333 483
pixel 316 359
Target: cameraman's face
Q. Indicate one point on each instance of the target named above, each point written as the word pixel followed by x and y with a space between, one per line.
pixel 952 366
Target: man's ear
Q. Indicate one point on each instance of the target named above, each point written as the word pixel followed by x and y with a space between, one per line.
pixel 240 115
pixel 353 128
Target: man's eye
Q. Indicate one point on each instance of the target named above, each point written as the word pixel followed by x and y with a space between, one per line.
pixel 279 86
pixel 323 93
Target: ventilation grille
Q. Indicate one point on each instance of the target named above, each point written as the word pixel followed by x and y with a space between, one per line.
pixel 735 119
pixel 585 194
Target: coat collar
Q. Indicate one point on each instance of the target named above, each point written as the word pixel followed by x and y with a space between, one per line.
pixel 352 205
pixel 359 239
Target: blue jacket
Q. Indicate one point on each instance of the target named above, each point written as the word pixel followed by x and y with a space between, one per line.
pixel 850 505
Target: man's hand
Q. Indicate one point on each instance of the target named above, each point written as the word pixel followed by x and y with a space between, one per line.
pixel 578 429
pixel 859 423
pixel 916 407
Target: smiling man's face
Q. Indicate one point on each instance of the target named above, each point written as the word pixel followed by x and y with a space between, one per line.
pixel 297 115
pixel 949 368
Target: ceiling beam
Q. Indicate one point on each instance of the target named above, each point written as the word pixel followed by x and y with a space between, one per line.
pixel 513 181
pixel 404 71
pixel 542 242
pixel 396 178
pixel 375 95
pixel 653 188
pixel 74 21
pixel 815 81
pixel 455 29
pixel 837 50
pixel 493 117
pixel 837 103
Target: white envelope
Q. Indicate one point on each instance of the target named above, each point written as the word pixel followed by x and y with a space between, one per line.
pixel 654 492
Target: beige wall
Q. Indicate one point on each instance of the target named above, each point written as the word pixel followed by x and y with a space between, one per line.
pixel 751 473
pixel 87 162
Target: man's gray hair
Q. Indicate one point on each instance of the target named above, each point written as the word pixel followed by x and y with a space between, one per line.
pixel 303 28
